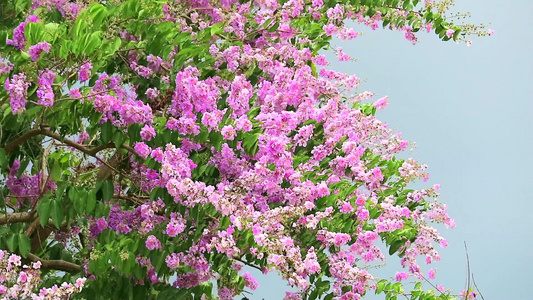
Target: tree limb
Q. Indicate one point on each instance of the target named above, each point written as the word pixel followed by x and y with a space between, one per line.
pixel 60 265
pixel 21 139
pixel 10 218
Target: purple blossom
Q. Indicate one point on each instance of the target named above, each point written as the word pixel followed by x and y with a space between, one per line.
pixel 142 149
pixel 157 154
pixel 37 49
pixel 155 62
pixel 152 94
pixel 85 72
pixel 45 92
pixel 5 66
pixel 450 32
pixel 147 132
pixel 401 276
pixel 75 93
pixel 239 95
pixel 17 89
pixel 153 243
pixel 173 261
pixel 18 33
pixel 228 132
pixel 250 281
pixel 381 103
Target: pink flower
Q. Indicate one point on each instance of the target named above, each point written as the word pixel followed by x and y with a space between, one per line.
pixel 152 94
pixel 381 103
pixel 23 277
pixel 147 132
pixel 80 282
pixel 491 32
pixel 75 93
pixel 346 208
pixel 250 281
pixel 85 72
pixel 14 260
pixel 153 243
pixel 157 154
pixel 431 274
pixel 36 50
pixel 450 32
pixel 173 261
pixel 142 149
pixel 401 276
pixel 228 132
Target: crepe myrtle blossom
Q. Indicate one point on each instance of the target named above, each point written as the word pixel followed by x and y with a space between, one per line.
pixel 17 88
pixel 85 71
pixel 37 49
pixel 19 281
pixel 381 103
pixel 450 32
pixel 153 243
pixel 147 132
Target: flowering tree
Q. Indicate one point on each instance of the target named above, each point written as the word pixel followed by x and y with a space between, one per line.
pixel 161 148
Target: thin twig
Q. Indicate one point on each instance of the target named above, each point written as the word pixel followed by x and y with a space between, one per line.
pixel 477 289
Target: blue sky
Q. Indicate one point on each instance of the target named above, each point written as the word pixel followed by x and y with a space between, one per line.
pixel 469 109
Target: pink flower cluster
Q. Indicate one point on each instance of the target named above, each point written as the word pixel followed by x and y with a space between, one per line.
pixel 17 88
pixel 19 281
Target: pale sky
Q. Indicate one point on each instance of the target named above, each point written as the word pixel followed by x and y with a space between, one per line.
pixel 469 111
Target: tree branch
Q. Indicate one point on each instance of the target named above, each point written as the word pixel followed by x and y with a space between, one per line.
pixel 60 265
pixel 21 139
pixel 10 218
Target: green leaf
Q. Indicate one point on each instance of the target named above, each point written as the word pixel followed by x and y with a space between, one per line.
pixel 118 138
pixel 66 46
pixel 55 173
pixel 216 140
pixel 107 190
pixel 43 208
pixel 12 242
pixel 3 159
pixel 250 143
pixel 98 13
pixel 216 29
pixel 91 202
pixel 107 132
pixel 380 286
pixel 395 246
pixel 79 201
pixel 57 212
pixel 93 41
pixel 24 244
pixel 34 33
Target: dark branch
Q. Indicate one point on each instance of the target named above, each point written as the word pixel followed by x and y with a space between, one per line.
pixel 60 265
pixel 21 139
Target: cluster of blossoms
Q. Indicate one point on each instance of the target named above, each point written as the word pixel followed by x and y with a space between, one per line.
pixel 18 34
pixel 250 151
pixel 18 88
pixel 45 92
pixel 27 188
pixel 69 9
pixel 19 281
pixel 37 49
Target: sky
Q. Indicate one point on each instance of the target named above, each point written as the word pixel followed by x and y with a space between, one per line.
pixel 469 110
